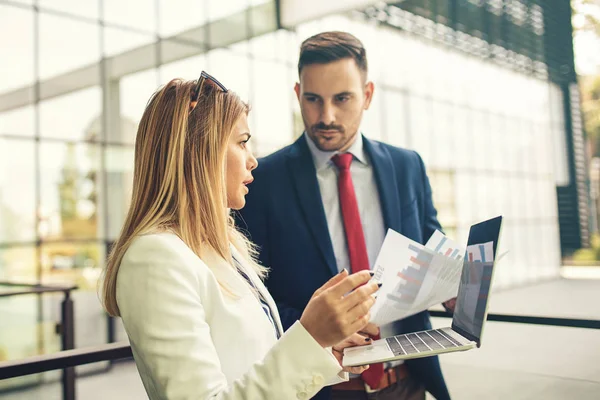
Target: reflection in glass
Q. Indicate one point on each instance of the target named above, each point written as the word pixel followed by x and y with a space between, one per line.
pixel 217 9
pixel 134 91
pixel 70 191
pixel 421 126
pixel 18 334
pixel 172 20
pixel 19 328
pixel 233 70
pixel 18 122
pixel 86 8
pixel 138 14
pixel 66 44
pixel 16 45
pixel 444 198
pixel 17 191
pixel 78 263
pixel 119 41
pixel 19 264
pixel 395 111
pixel 74 116
pixel 119 181
pixel 188 68
pixel 271 117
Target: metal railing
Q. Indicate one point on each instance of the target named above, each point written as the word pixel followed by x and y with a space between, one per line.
pixel 66 327
pixel 68 359
pixel 65 360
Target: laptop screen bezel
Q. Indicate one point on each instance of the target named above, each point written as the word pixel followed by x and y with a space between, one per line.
pixel 483 232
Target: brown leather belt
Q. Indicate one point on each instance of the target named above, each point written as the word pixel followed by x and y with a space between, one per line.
pixel 390 377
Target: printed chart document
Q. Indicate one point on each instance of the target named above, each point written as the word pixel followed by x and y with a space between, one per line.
pixel 416 277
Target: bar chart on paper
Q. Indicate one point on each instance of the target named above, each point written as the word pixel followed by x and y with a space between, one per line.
pixel 414 276
pixel 411 277
pixel 441 244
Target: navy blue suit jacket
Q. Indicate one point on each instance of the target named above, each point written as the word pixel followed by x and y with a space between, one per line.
pixel 284 216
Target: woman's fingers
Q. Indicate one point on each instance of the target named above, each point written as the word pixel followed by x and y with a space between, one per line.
pixel 332 282
pixel 356 339
pixel 350 283
pixel 361 294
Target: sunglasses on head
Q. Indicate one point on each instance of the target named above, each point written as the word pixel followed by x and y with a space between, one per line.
pixel 208 79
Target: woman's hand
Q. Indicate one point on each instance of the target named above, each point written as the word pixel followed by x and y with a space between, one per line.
pixel 355 340
pixel 339 308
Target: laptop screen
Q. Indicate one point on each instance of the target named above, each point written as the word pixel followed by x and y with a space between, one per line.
pixel 476 279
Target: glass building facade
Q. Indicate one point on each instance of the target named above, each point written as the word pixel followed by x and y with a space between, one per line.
pixel 76 76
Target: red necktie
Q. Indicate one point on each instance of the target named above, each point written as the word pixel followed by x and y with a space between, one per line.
pixel 355 240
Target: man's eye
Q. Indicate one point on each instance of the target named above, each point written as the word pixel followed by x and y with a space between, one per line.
pixel 343 99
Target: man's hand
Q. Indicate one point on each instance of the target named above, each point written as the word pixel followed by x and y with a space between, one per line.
pixel 354 340
pixel 450 305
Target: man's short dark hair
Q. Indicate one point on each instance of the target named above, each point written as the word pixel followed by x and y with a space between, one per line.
pixel 328 47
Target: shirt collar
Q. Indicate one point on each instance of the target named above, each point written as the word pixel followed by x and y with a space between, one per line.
pixel 322 158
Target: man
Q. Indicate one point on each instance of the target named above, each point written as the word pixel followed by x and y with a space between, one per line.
pixel 325 202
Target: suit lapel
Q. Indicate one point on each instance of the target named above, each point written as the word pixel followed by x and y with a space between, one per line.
pixel 302 170
pixel 387 183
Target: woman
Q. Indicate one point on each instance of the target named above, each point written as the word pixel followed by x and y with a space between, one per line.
pixel 184 280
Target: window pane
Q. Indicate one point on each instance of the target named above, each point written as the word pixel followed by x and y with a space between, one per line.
pixel 69 191
pixel 85 8
pixel 478 133
pixel 421 126
pixel 218 9
pixel 442 186
pixel 18 334
pixel 464 149
pixel 66 45
pixel 119 40
pixel 78 263
pixel 16 45
pixel 18 122
pixel 135 91
pixel 233 70
pixel 393 70
pixel 187 68
pixel 181 15
pixel 138 14
pixel 271 119
pixel 17 191
pixel 18 264
pixel 90 322
pixel 442 138
pixel 119 180
pixel 396 124
pixel 371 124
pixel 64 117
pixel 268 46
pixel 175 50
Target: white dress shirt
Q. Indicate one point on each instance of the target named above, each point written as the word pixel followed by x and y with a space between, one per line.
pixel 369 206
pixel 198 331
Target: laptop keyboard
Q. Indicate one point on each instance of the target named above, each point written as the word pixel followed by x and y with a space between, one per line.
pixel 420 342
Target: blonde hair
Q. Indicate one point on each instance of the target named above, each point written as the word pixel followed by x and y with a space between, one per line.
pixel 179 177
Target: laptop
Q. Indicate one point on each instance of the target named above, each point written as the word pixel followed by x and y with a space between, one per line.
pixel 469 316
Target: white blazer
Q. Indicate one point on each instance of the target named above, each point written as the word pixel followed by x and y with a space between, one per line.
pixel 191 340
